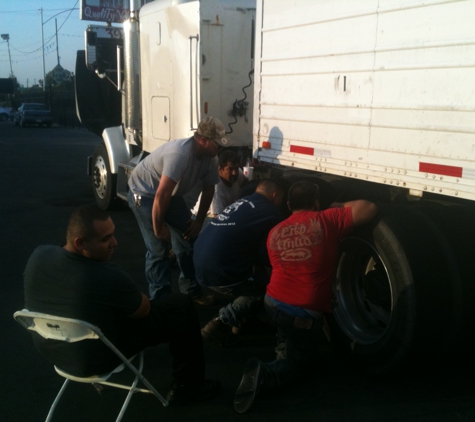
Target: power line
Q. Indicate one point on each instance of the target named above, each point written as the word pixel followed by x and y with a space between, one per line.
pixel 32 10
pixel 52 36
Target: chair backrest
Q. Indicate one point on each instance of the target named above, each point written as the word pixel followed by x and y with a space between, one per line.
pixel 57 328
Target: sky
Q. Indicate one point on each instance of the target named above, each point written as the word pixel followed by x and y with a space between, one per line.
pixel 21 19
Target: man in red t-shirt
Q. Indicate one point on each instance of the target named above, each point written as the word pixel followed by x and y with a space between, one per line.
pixel 303 250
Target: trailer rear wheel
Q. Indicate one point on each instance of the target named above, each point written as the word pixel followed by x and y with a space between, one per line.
pixel 103 181
pixel 397 292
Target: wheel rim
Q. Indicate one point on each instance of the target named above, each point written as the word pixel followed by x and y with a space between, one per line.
pixel 363 292
pixel 100 177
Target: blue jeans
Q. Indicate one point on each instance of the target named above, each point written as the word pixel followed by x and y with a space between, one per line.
pixel 247 296
pixel 297 347
pixel 157 263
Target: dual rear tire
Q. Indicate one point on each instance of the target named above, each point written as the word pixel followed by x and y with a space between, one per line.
pixel 398 292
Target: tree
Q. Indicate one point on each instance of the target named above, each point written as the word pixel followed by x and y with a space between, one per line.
pixel 57 76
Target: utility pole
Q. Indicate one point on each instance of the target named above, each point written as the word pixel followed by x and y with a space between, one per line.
pixel 43 40
pixel 6 37
pixel 57 45
pixel 43 48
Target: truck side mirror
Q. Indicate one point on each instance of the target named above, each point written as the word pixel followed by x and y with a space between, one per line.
pixel 91 53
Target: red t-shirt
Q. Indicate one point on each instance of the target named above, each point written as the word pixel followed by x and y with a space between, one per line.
pixel 303 252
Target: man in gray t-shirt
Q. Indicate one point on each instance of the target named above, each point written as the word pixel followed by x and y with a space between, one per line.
pixel 157 186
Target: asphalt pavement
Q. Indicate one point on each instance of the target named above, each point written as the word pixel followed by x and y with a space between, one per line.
pixel 43 178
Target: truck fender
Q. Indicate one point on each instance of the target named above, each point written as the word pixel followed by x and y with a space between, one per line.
pixel 117 147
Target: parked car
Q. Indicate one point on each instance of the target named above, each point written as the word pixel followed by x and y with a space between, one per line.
pixel 33 113
pixel 5 114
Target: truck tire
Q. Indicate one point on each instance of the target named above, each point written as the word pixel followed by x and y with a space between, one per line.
pixel 397 292
pixel 457 223
pixel 104 183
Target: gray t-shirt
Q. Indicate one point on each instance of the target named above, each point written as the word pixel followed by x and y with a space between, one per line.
pixel 223 195
pixel 176 160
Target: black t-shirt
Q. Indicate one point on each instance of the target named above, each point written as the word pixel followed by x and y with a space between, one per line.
pixel 234 241
pixel 64 284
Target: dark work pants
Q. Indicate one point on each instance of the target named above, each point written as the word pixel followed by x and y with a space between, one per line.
pixel 172 320
pixel 297 348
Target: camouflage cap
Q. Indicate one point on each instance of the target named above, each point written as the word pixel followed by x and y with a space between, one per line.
pixel 213 128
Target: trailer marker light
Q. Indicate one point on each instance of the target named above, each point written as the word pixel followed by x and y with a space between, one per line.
pixel 301 150
pixel 441 169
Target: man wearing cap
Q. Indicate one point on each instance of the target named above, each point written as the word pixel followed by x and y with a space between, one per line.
pixel 157 186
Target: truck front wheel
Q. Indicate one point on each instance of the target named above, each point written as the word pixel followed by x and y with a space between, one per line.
pixel 397 293
pixel 103 181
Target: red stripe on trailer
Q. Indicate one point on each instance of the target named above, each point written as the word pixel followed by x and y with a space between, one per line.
pixel 441 169
pixel 301 150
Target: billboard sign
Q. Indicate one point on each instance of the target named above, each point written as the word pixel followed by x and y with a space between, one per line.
pixel 104 10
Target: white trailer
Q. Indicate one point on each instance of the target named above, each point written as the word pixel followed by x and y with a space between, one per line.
pixel 369 98
pixel 376 90
pixel 380 94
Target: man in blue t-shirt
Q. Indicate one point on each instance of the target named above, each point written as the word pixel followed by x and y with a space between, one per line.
pixel 228 251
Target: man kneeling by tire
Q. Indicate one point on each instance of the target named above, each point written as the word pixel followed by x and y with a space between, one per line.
pixel 227 252
pixel 303 250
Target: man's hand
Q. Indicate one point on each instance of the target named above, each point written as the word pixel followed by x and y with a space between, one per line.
pixel 164 234
pixel 193 230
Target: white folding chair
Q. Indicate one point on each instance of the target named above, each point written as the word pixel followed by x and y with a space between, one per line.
pixel 73 330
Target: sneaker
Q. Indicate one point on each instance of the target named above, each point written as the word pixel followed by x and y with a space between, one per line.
pixel 250 384
pixel 205 300
pixel 220 332
pixel 181 394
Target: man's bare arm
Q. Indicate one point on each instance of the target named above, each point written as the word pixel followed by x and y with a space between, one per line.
pixel 160 207
pixel 362 211
pixel 143 310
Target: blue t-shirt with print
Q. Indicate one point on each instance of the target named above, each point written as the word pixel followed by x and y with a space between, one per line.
pixel 228 248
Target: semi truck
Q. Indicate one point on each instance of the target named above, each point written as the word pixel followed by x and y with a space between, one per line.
pixel 372 99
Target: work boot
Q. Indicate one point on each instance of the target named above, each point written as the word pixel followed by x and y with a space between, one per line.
pixel 219 332
pixel 250 385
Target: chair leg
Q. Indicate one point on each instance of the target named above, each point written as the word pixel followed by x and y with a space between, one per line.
pixel 132 389
pixel 56 400
pixel 145 382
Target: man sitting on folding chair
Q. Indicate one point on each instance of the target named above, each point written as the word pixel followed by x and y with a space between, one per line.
pixel 75 281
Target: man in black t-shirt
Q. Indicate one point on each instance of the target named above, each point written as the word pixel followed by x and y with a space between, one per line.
pixel 228 251
pixel 76 281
